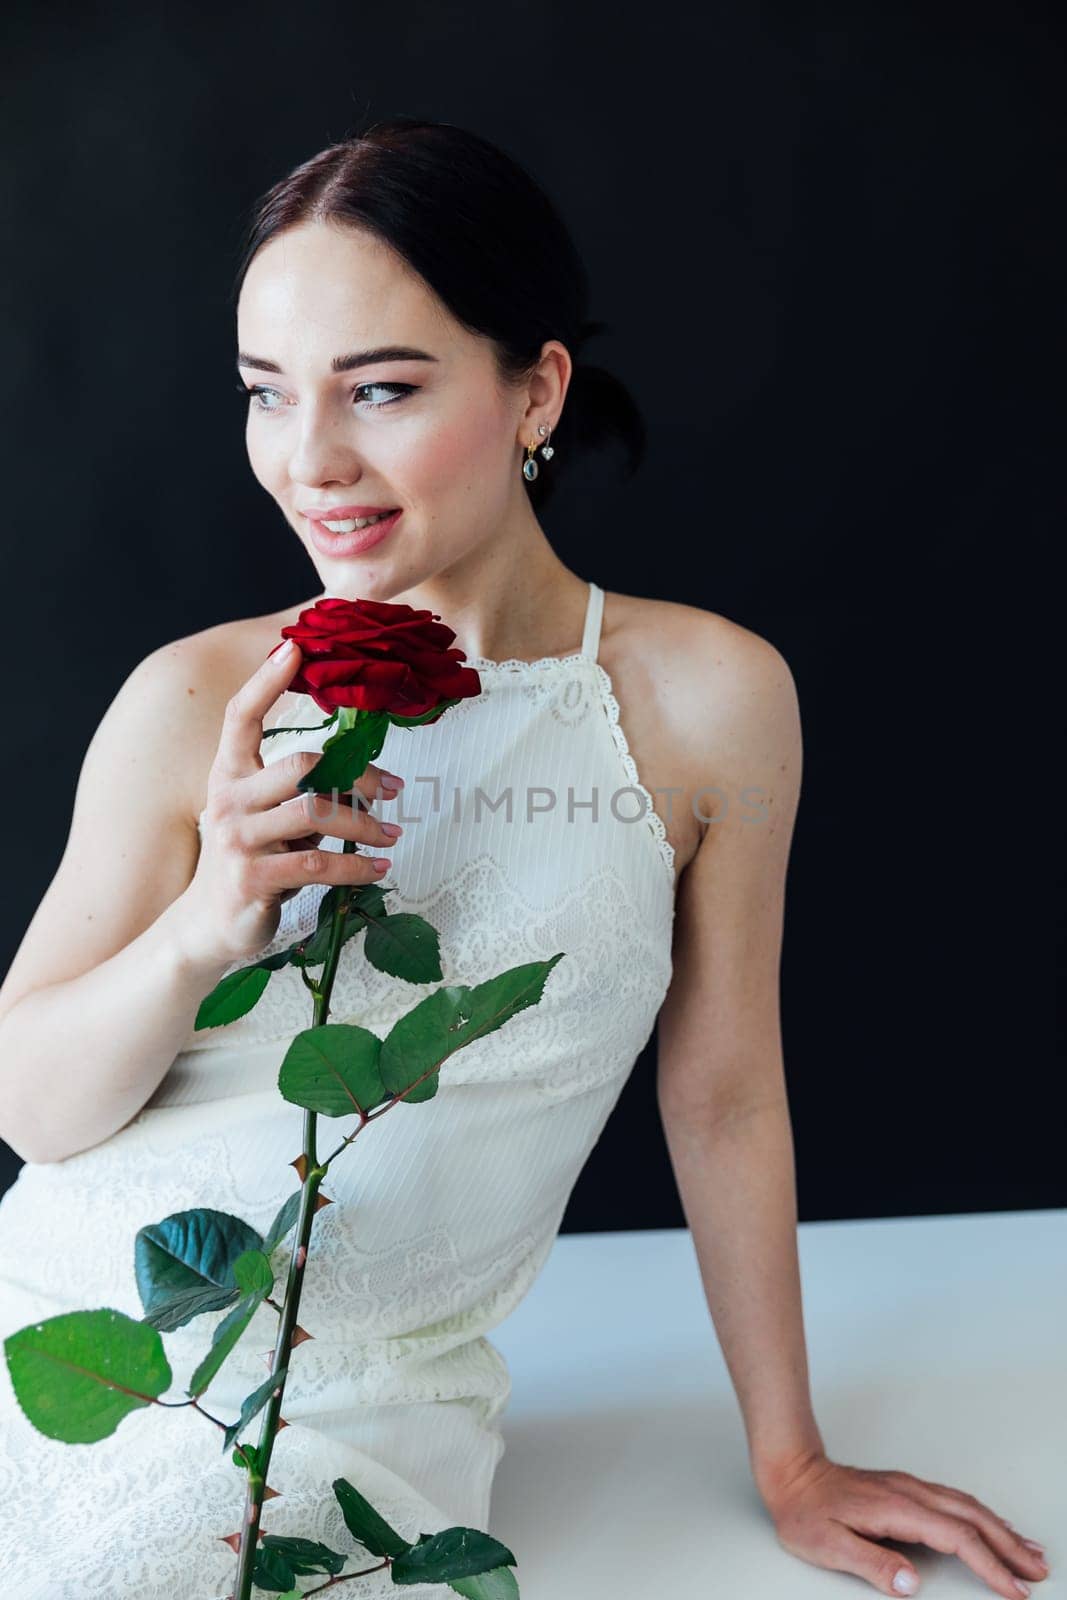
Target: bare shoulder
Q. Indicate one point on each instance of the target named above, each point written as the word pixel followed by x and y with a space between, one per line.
pixel 716 701
pixel 202 671
pixel 705 670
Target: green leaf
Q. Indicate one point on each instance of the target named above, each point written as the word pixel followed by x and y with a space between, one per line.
pixel 333 1069
pixel 498 999
pixel 452 1553
pixel 450 1018
pixel 421 1039
pixel 184 1265
pixel 368 900
pixel 499 1583
pixel 346 755
pixel 405 946
pixel 316 946
pixel 223 1339
pixel 305 1555
pixel 232 997
pixel 250 1407
pixel 77 1375
pixel 254 1275
pixel 249 1450
pixel 271 1571
pixel 364 1523
pixel 286 1219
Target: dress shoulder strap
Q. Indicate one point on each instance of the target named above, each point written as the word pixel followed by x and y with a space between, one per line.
pixel 594 613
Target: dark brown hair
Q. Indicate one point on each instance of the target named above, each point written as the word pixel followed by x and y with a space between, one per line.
pixel 490 244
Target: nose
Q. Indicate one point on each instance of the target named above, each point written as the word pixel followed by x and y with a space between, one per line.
pixel 321 452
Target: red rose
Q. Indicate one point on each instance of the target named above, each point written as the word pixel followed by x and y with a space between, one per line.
pixel 378 657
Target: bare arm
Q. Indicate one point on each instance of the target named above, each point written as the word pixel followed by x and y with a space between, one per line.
pixel 724 1106
pixel 139 924
pixel 79 1058
pixel 721 1083
pixel 737 1184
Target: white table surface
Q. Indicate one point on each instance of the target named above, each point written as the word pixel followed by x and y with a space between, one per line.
pixel 937 1346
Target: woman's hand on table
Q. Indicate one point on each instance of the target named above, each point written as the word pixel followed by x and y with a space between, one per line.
pixel 830 1515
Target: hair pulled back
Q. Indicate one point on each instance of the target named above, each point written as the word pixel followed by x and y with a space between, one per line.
pixel 487 240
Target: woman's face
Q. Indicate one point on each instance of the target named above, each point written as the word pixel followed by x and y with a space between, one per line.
pixel 438 438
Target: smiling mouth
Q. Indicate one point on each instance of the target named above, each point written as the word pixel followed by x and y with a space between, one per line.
pixel 350 524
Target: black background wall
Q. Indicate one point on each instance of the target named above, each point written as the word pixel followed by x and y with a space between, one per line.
pixel 828 240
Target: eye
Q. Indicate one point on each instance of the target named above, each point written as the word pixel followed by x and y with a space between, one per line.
pixel 255 394
pixel 401 391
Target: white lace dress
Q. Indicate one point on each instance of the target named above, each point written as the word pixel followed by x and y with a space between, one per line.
pixel 444 1212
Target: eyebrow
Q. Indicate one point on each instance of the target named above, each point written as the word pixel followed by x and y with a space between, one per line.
pixel 358 358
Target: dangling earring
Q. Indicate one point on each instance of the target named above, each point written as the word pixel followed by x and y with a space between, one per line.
pixel 530 468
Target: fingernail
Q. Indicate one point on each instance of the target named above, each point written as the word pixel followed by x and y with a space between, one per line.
pixel 905 1582
pixel 1038 1548
pixel 284 650
pixel 392 829
pixel 1023 1588
pixel 391 781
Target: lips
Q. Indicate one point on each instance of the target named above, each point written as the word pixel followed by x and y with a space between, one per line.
pixel 340 545
pixel 342 513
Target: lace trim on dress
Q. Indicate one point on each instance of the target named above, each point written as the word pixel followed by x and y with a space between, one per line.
pixel 611 707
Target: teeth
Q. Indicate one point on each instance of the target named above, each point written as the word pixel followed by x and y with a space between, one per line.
pixel 352 523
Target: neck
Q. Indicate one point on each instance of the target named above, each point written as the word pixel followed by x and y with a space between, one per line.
pixel 512 597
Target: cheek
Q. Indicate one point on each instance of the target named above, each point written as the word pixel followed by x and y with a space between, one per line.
pixel 471 446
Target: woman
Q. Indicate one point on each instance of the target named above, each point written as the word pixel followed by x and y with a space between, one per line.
pixel 410 319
